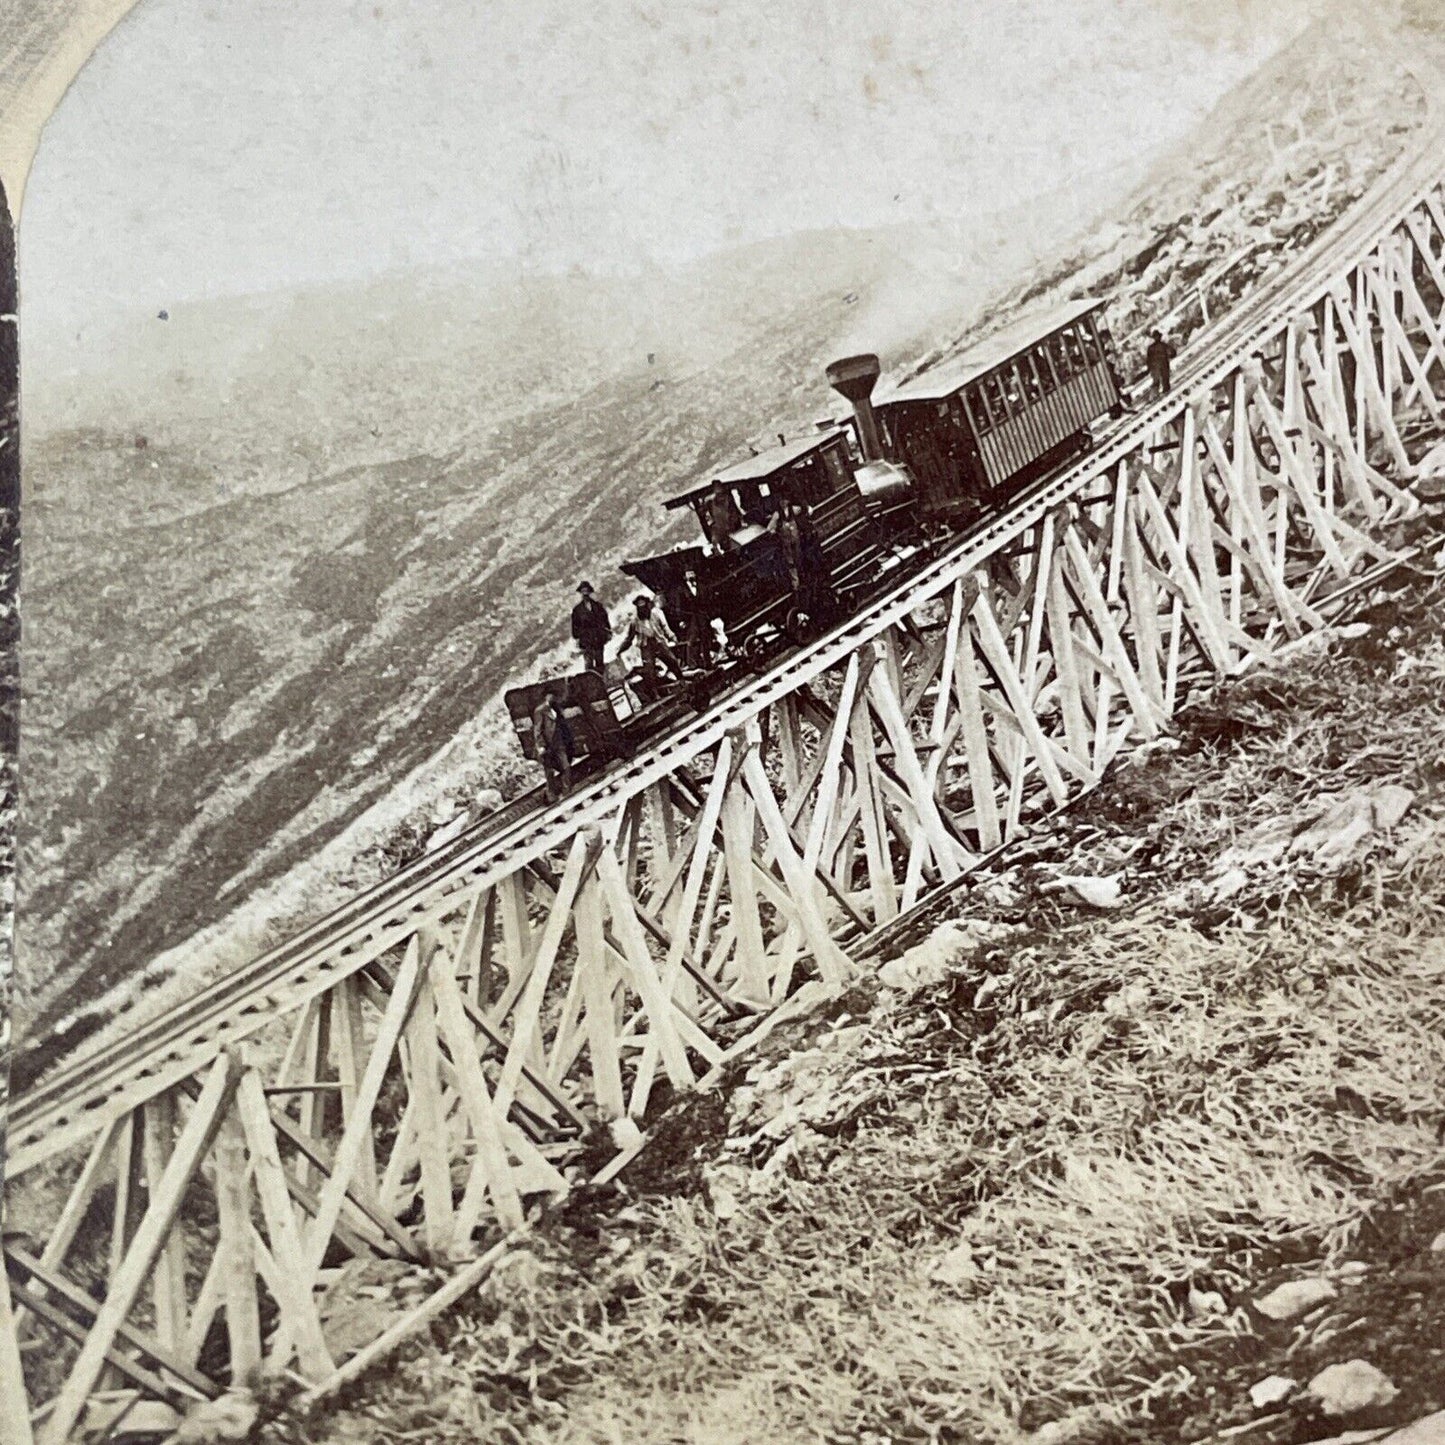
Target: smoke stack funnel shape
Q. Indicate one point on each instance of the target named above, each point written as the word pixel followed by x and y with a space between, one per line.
pixel 854 377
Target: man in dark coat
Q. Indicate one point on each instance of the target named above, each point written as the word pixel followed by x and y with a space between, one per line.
pixel 591 627
pixel 552 734
pixel 1157 359
pixel 815 577
pixel 693 619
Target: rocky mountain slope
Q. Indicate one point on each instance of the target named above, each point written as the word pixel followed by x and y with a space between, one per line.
pixel 281 549
pixel 261 594
pixel 1159 1161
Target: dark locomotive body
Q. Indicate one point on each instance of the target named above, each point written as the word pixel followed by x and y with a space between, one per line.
pixel 936 453
pixel 743 577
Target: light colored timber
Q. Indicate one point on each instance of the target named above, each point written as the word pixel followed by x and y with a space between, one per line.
pixel 447 1039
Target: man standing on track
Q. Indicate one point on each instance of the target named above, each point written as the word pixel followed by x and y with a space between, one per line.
pixel 591 627
pixel 552 735
pixel 693 620
pixel 1157 359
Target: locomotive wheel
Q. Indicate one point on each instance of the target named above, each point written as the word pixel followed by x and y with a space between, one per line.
pixel 754 650
pixel 698 693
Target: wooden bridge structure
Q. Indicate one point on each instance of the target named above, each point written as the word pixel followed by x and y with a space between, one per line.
pixel 413 1076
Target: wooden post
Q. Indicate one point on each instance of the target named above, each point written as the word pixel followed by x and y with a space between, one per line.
pixel 14 1404
pixel 233 1207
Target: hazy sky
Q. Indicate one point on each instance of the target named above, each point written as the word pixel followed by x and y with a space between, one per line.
pixel 216 146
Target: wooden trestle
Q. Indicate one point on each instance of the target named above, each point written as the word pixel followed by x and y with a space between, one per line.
pixel 406 1082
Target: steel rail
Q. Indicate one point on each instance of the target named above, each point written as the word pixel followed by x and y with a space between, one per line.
pixel 172 1045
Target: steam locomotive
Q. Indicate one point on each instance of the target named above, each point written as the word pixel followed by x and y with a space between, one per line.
pixel 796 537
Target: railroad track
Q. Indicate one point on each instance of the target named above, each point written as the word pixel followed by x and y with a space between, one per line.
pixel 179 1041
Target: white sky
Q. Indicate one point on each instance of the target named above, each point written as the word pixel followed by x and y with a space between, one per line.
pixel 217 146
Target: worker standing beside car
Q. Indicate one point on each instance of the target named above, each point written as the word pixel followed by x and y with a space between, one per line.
pixel 654 639
pixel 552 735
pixel 1157 359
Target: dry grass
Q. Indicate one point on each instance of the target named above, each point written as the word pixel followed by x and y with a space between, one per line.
pixel 935 1221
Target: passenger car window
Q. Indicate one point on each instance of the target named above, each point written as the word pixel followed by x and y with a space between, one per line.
pixel 1027 383
pixel 977 404
pixel 997 399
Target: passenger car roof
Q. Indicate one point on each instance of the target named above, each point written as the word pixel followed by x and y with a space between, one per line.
pixel 942 381
pixel 762 466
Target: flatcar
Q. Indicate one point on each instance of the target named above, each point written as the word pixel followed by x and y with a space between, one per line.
pixel 794 537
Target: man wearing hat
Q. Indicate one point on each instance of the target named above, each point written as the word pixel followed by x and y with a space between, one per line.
pixel 591 627
pixel 654 639
pixel 1157 358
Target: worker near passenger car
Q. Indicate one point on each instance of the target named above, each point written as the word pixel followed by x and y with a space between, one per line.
pixel 591 628
pixel 1157 359
pixel 654 639
pixel 552 735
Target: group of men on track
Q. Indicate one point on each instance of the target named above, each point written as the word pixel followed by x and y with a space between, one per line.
pixel 592 631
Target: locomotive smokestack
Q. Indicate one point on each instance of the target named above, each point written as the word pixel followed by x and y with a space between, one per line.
pixel 854 377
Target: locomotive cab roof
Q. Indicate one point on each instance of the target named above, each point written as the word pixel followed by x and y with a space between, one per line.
pixel 941 382
pixel 759 468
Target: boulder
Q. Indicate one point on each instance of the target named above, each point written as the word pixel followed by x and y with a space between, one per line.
pixel 1350 1387
pixel 1272 1390
pixel 1348 821
pixel 1429 1431
pixel 1100 893
pixel 228 1417
pixel 1206 1302
pixel 928 962
pixel 957 1267
pixel 1295 1298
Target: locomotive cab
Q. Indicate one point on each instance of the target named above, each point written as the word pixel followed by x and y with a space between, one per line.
pixel 749 578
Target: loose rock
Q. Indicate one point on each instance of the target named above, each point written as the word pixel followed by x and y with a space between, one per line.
pixel 1272 1390
pixel 1347 1388
pixel 1100 893
pixel 925 963
pixel 229 1417
pixel 1204 1302
pixel 957 1267
pixel 990 988
pixel 1295 1298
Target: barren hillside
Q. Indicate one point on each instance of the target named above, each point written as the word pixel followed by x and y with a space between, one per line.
pixel 280 588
